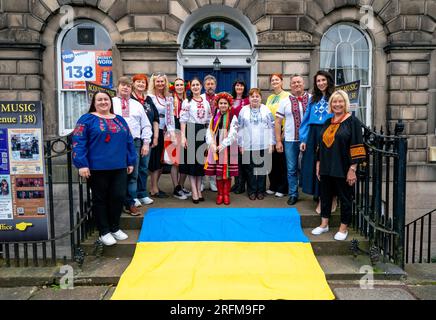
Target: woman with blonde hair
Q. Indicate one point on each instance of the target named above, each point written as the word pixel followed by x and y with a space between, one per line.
pixel 340 149
pixel 159 93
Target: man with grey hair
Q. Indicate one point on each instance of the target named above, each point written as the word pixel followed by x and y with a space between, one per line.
pixel 292 110
pixel 209 84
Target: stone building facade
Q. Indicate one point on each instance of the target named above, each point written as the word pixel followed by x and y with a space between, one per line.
pixel 285 35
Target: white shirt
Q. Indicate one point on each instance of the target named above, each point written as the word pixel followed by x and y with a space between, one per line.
pixel 256 128
pixel 285 111
pixel 137 119
pixel 195 111
pixel 165 107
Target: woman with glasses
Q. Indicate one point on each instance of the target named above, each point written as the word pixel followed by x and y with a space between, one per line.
pixel 256 142
pixel 240 99
pixel 194 118
pixel 159 93
pixel 278 182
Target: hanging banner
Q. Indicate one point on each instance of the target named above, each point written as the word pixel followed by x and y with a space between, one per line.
pixel 79 66
pixel 352 89
pixel 92 88
pixel 23 214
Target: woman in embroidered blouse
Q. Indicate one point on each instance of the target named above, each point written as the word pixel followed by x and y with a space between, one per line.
pixel 104 153
pixel 239 93
pixel 310 132
pixel 194 118
pixel 178 88
pixel 139 93
pixel 159 92
pixel 256 141
pixel 278 182
pixel 222 156
pixel 340 149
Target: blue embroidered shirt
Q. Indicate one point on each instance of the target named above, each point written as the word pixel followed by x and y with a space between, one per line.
pixel 102 144
pixel 316 113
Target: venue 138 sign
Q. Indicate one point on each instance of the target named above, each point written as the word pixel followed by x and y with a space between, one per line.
pixel 23 214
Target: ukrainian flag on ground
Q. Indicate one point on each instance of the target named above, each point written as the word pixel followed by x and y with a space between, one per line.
pixel 214 253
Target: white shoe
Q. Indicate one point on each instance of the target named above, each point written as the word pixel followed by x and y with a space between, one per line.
pixel 269 192
pixel 120 235
pixel 108 239
pixel 279 195
pixel 318 230
pixel 212 184
pixel 341 236
pixel 187 192
pixel 137 203
pixel 146 200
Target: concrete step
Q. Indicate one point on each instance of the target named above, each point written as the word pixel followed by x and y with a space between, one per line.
pixel 322 245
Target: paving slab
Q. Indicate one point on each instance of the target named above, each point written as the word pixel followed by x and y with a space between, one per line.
pixel 18 293
pixel 77 293
pixel 426 292
pixel 421 273
pixel 356 293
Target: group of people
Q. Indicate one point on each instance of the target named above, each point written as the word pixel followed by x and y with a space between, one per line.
pixel 157 126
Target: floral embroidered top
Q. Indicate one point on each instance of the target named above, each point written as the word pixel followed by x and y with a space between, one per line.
pixel 238 104
pixel 316 113
pixel 102 144
pixel 256 128
pixel 196 111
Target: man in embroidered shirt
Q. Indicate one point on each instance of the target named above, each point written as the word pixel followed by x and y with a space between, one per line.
pixel 292 110
pixel 140 127
pixel 209 84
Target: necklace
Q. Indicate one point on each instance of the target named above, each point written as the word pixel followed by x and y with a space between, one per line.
pixel 158 101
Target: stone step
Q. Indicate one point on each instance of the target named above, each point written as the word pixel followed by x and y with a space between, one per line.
pixel 308 220
pixel 108 270
pixel 322 245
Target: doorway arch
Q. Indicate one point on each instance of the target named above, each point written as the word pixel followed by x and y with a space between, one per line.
pixel 231 58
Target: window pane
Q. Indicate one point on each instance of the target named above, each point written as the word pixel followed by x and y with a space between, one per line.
pixel 75 104
pixel 345 55
pixel 216 34
pixel 345 33
pixel 327 59
pixel 102 39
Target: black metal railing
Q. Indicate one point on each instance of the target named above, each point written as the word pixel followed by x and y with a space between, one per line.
pixel 422 228
pixel 380 194
pixel 81 222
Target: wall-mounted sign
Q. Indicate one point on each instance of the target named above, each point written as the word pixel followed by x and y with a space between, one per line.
pixel 79 66
pixel 92 88
pixel 23 213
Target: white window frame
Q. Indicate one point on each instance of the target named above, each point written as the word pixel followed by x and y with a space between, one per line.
pixel 61 109
pixel 369 86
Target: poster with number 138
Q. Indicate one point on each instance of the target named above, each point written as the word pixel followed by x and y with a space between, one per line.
pixel 80 66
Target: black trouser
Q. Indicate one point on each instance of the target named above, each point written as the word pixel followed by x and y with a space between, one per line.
pixel 241 179
pixel 256 165
pixel 331 186
pixel 108 194
pixel 278 179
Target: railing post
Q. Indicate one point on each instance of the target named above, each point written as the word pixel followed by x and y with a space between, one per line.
pixel 50 201
pixel 70 197
pixel 399 201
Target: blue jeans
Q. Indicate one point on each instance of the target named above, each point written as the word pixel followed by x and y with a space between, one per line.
pixel 132 179
pixel 143 176
pixel 292 151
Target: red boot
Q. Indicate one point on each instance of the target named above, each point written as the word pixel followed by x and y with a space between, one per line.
pixel 220 187
pixel 227 187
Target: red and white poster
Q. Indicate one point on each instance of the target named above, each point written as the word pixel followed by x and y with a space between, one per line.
pixel 79 66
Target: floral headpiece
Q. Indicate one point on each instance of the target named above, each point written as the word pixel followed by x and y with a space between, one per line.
pixel 224 95
pixel 172 86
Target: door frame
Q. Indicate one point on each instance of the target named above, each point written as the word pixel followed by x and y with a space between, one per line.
pixel 197 58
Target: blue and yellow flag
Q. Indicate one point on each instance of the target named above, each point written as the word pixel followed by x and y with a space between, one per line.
pixel 231 253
